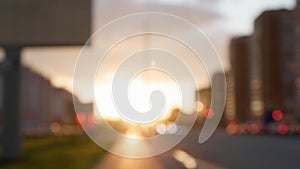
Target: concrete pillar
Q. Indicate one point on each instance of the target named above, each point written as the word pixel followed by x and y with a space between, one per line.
pixel 11 116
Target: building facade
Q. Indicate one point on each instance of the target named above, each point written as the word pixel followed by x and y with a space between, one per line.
pixel 273 41
pixel 296 66
pixel 240 56
pixel 43 104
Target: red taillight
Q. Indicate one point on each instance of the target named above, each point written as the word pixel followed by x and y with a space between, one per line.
pixel 283 129
pixel 277 115
pixel 298 129
pixel 208 114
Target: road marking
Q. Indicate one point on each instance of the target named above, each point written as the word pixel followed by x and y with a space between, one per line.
pixel 190 162
pixel 185 159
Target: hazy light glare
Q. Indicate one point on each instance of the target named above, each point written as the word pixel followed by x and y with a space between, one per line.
pixel 180 155
pixel 208 113
pixel 187 160
pixel 200 106
pixel 172 128
pixel 232 128
pixel 132 139
pixel 139 96
pixel 161 129
pixel 190 163
pixel 257 107
pixel 55 127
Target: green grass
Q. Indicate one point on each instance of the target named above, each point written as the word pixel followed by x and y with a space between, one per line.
pixel 57 152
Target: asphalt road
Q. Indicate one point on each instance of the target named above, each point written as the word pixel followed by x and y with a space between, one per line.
pixel 219 152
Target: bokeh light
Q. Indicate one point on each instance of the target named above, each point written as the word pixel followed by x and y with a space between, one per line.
pixel 277 115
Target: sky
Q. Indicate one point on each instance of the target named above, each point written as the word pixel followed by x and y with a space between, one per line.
pixel 220 20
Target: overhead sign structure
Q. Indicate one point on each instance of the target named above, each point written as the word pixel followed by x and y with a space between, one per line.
pixel 34 23
pixel 44 22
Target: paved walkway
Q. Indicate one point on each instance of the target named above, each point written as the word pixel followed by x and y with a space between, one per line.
pixel 111 161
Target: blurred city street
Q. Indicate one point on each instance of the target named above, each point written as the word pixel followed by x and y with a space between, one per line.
pixel 246 151
pixel 222 151
pixel 150 84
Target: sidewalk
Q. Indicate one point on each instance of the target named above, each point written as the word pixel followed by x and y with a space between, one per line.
pixel 111 161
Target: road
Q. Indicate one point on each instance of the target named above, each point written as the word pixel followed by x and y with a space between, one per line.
pixel 221 151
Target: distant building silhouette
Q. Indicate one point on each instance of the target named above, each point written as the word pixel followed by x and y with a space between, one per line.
pixel 266 68
pixel 296 66
pixel 265 72
pixel 42 104
pixel 274 47
pixel 230 112
pixel 240 56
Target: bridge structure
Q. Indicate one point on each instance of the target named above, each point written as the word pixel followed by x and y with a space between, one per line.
pixel 34 23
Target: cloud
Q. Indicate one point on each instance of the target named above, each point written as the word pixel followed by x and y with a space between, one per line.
pixel 198 12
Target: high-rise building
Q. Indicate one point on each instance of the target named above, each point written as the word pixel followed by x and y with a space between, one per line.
pixel 296 66
pixel 240 56
pixel 230 107
pixel 273 42
pixel 256 88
